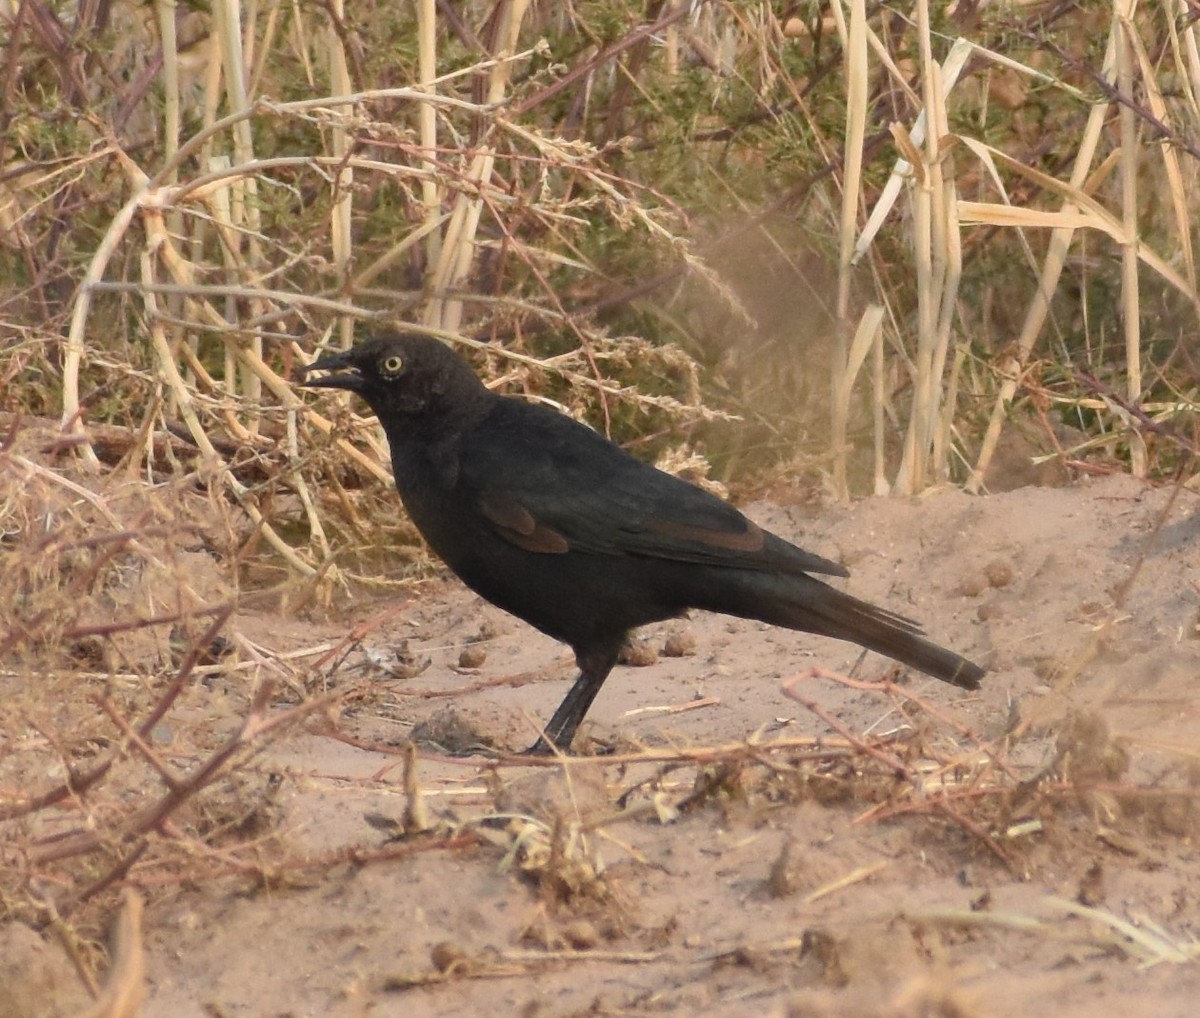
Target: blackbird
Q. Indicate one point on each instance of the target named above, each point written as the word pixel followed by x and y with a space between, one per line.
pixel 554 523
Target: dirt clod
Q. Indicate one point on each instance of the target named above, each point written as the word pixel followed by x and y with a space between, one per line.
pixel 448 957
pixel 930 842
pixel 679 643
pixel 999 573
pixel 637 653
pixel 450 731
pixel 473 656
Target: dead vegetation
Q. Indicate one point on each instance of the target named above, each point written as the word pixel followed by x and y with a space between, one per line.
pixel 136 721
pixel 964 233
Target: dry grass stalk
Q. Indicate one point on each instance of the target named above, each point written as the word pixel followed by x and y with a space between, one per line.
pixel 221 198
pixel 509 175
pixel 1077 196
pixel 844 371
pixel 102 775
pixel 938 270
pixel 856 876
pixel 341 144
pixel 1130 291
pixel 416 817
pixel 194 257
pixel 1145 941
pixel 125 989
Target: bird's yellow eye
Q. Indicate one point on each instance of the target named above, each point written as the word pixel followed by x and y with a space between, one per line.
pixel 393 364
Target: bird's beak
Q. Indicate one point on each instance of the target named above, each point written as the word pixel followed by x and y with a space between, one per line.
pixel 345 375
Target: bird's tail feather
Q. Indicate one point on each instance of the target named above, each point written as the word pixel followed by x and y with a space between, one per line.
pixel 829 612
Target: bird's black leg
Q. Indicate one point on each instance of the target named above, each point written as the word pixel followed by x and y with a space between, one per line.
pixel 595 662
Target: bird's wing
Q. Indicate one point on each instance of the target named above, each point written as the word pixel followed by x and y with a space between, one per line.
pixel 550 485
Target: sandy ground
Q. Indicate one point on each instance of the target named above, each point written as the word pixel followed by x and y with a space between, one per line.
pixel 766 884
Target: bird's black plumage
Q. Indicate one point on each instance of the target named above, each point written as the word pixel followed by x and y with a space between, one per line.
pixel 557 525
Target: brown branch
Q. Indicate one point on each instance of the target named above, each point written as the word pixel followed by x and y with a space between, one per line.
pixel 1102 389
pixel 113 443
pixel 24 630
pixel 255 725
pixel 675 13
pixel 937 802
pixel 127 625
pixel 889 760
pixel 77 784
pixel 354 855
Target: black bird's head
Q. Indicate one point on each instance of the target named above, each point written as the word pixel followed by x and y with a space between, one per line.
pixel 402 376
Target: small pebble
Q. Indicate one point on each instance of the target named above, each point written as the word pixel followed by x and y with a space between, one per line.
pixel 680 644
pixel 637 653
pixel 451 732
pixel 581 934
pixel 448 957
pixel 489 630
pixel 405 664
pixel 973 586
pixel 990 610
pixel 999 573
pixel 1091 886
pixel 472 656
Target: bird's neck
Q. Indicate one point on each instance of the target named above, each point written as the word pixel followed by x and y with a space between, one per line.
pixel 426 447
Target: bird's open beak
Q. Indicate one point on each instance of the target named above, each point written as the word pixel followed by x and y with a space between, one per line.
pixel 344 375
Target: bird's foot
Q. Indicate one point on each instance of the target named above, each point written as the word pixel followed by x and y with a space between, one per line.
pixel 544 747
